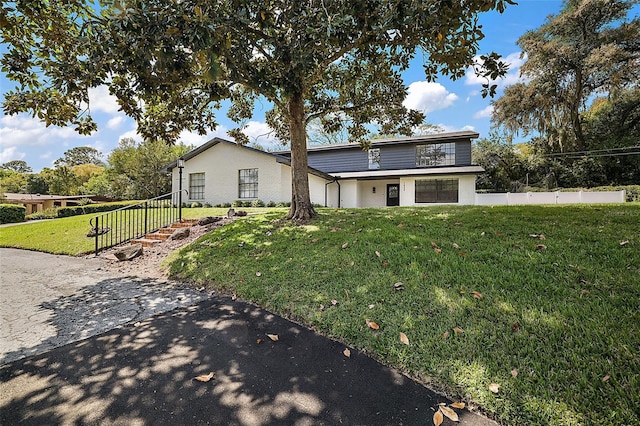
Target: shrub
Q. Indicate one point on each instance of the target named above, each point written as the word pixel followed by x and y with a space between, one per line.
pixel 226 205
pixel 237 203
pixel 257 203
pixel 271 204
pixel 196 204
pixel 92 208
pixel 207 205
pixel 51 213
pixel 12 213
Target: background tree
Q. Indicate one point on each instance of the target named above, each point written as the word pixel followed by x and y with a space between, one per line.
pixel 590 48
pixel 80 155
pixel 135 168
pixel 170 63
pixel 18 166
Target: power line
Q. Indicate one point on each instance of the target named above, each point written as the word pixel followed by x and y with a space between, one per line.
pixel 593 151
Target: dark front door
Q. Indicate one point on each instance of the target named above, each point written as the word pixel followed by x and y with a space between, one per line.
pixel 393 194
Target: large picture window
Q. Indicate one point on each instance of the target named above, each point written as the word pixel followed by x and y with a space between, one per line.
pixel 196 186
pixel 436 154
pixel 437 191
pixel 248 183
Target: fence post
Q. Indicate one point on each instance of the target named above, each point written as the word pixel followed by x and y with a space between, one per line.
pixel 95 230
pixel 145 218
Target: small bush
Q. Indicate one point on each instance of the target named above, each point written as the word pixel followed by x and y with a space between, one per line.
pixel 12 213
pixel 45 214
pixel 196 205
pixel 92 208
pixel 237 203
pixel 226 205
pixel 284 204
pixel 257 203
pixel 271 204
pixel 207 205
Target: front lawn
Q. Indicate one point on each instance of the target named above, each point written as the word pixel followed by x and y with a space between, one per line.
pixel 69 235
pixel 543 301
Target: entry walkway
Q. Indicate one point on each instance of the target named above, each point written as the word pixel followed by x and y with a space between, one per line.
pixel 102 358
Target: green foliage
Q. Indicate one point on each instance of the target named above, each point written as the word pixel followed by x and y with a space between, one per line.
pixel 195 204
pixel 135 170
pixel 18 166
pixel 587 49
pixel 14 182
pixel 257 203
pixel 92 208
pixel 12 213
pixel 80 155
pixel 45 214
pixel 575 302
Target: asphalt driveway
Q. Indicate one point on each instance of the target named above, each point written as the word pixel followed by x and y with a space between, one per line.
pixel 80 346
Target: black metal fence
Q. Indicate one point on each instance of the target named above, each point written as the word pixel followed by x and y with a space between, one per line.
pixel 137 220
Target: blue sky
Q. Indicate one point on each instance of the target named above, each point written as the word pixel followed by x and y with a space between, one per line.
pixel 453 105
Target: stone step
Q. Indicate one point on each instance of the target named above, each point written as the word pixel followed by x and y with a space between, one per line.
pixel 158 236
pixel 146 242
pixel 167 231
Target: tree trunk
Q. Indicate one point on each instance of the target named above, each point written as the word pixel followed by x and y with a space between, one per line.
pixel 301 207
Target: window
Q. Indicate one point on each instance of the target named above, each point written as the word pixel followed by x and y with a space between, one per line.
pixel 437 191
pixel 248 183
pixel 374 159
pixel 437 154
pixel 196 186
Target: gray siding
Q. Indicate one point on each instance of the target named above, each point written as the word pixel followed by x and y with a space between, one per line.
pixel 463 153
pixel 392 157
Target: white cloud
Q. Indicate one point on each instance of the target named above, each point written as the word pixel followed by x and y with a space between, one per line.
pixel 448 128
pixel 10 153
pixel 484 113
pixel 115 122
pixel 260 133
pixel 101 100
pixel 427 97
pixel 22 130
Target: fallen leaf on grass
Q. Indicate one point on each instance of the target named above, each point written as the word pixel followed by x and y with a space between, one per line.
pixel 347 353
pixel 541 247
pixel 315 240
pixel 624 243
pixel 334 302
pixel 459 405
pixel 515 327
pixel 258 274
pixel 404 339
pixel 458 330
pixel 437 250
pixel 494 387
pixel 438 418
pixel 377 253
pixel 606 378
pixel 476 294
pixel 205 377
pixel 273 337
pixel 385 263
pixel 433 244
pixel 372 306
pixel 372 325
pixel 455 246
pixel 398 286
pixel 445 334
pixel 449 413
pixel 345 245
pixel 514 373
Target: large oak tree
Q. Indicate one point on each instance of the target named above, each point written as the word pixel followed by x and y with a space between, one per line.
pixel 170 63
pixel 591 48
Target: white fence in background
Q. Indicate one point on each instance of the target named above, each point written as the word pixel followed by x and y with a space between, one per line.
pixel 558 197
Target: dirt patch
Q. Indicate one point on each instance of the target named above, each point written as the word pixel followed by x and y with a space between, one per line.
pixel 149 265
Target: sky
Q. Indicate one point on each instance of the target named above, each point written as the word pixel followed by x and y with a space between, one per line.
pixel 452 105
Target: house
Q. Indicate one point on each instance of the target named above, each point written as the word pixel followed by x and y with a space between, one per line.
pixel 37 202
pixel 418 170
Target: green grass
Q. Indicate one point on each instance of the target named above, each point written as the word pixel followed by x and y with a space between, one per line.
pixel 69 235
pixel 565 317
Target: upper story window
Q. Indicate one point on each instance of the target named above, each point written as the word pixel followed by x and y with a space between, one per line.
pixel 248 183
pixel 436 154
pixel 374 158
pixel 196 186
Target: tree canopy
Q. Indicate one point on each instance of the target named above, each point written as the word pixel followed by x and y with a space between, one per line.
pixel 590 49
pixel 170 63
pixel 80 155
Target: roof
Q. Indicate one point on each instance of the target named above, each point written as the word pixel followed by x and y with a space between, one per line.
pixel 433 138
pixel 38 197
pixel 215 141
pixel 377 174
